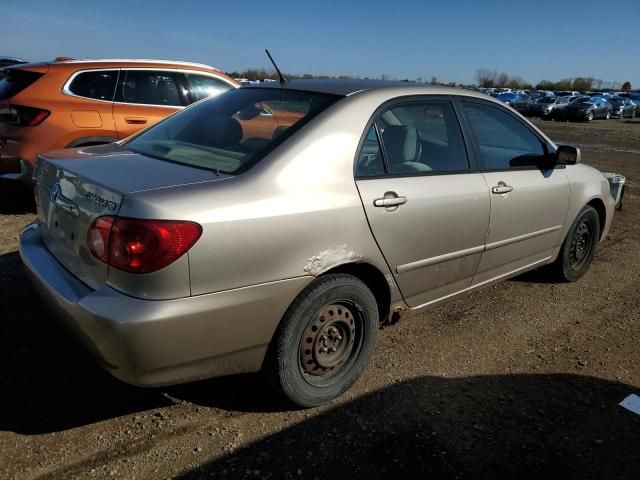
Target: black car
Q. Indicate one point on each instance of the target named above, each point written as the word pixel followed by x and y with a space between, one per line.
pixel 622 107
pixel 8 61
pixel 546 107
pixel 633 96
pixel 586 108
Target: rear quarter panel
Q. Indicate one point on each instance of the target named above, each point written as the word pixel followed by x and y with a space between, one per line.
pixel 297 213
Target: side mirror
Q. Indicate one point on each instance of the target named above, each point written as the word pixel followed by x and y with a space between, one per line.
pixel 568 155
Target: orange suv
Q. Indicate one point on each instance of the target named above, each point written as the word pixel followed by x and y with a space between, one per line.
pixel 73 103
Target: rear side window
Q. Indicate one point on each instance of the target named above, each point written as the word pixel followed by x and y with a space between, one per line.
pixel 503 141
pixel 148 87
pixel 15 81
pixel 203 86
pixel 422 137
pixel 99 85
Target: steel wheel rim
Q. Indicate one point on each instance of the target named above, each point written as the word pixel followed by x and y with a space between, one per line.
pixel 330 342
pixel 581 244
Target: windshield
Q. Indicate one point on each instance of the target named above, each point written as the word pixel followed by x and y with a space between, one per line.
pixel 231 132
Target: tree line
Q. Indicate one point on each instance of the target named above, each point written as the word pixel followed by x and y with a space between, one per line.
pixel 491 78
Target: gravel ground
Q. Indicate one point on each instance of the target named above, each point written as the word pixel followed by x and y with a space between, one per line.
pixel 523 378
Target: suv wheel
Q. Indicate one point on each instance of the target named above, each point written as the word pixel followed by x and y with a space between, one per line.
pixel 324 341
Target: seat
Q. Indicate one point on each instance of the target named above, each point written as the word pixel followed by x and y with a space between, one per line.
pixel 404 149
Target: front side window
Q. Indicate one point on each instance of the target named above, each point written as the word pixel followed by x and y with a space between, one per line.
pixel 203 86
pixel 99 85
pixel 503 141
pixel 422 137
pixel 231 132
pixel 148 87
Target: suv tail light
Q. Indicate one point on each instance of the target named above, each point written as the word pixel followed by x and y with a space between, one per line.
pixel 140 246
pixel 23 116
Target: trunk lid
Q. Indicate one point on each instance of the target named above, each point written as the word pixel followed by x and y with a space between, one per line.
pixel 74 187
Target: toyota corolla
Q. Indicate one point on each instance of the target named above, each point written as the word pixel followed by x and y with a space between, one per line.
pixel 274 227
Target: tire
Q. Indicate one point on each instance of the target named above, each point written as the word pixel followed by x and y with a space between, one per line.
pixel 590 116
pixel 335 311
pixel 608 116
pixel 579 247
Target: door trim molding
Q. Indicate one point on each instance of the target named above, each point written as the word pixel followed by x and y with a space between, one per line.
pixel 407 267
pixel 521 238
pixel 427 262
pixel 476 286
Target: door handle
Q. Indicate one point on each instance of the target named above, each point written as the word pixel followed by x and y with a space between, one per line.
pixel 135 120
pixel 501 188
pixel 389 201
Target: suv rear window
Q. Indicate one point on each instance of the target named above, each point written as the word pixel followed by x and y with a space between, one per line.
pixel 15 81
pixel 231 132
pixel 99 85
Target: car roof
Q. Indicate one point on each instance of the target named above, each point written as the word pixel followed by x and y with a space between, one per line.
pixel 349 87
pixel 134 61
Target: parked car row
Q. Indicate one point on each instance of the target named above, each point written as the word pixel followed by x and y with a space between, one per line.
pixel 570 105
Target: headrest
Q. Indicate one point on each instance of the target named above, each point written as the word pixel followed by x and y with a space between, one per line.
pixel 401 143
pixel 222 131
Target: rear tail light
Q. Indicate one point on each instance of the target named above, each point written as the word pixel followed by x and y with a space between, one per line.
pixel 140 246
pixel 23 116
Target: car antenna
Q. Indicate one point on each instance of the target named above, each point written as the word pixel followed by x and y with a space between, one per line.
pixel 282 78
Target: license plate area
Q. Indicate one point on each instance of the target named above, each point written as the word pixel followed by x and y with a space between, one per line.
pixel 63 226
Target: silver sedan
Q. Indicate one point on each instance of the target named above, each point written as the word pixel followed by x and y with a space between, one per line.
pixel 275 227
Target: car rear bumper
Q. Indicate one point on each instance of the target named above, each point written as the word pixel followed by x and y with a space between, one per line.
pixel 162 342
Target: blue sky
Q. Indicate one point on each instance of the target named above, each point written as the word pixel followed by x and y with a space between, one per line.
pixel 409 39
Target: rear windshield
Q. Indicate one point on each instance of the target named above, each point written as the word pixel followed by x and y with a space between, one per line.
pixel 15 81
pixel 231 132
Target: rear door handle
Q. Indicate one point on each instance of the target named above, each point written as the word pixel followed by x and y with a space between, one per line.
pixel 501 188
pixel 135 120
pixel 389 202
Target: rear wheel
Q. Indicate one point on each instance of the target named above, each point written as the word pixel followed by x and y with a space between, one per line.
pixel 579 247
pixel 324 341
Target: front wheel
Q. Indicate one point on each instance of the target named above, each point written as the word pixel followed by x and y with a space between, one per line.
pixel 579 247
pixel 608 116
pixel 324 341
pixel 590 116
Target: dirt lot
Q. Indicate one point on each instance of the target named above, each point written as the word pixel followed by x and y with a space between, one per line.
pixel 521 379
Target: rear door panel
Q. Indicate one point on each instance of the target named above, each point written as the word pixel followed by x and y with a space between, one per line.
pixel 144 97
pixel 434 242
